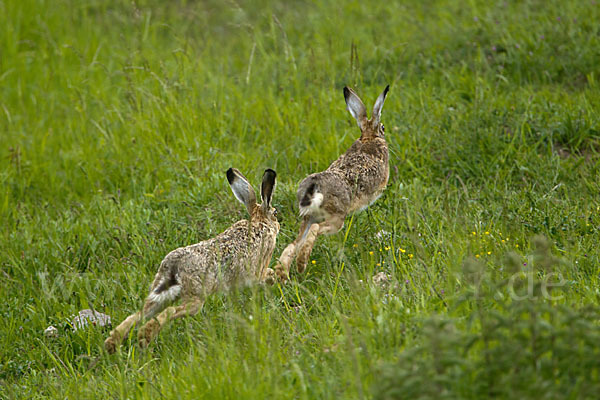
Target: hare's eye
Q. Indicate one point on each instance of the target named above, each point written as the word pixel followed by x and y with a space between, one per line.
pixel 274 212
pixel 382 128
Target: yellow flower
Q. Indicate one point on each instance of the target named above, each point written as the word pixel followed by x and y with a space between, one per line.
pixel 402 250
pixel 355 245
pixel 387 248
pixel 383 262
pixel 474 233
pixel 380 249
pixel 489 252
pixel 378 264
pixel 517 245
pixel 502 240
pixel 370 253
pixel 487 233
pixel 410 256
pixel 313 261
pixel 476 255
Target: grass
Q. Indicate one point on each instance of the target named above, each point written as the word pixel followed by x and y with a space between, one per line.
pixel 119 119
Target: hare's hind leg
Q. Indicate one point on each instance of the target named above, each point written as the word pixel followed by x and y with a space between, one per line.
pixel 282 269
pixel 152 306
pixel 120 333
pixel 159 297
pixel 328 227
pixel 152 327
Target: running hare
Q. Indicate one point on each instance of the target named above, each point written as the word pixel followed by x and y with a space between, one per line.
pixel 351 183
pixel 238 256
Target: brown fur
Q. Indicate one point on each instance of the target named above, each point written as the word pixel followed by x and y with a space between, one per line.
pixel 238 256
pixel 352 182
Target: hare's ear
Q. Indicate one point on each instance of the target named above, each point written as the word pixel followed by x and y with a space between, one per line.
pixel 242 189
pixel 356 107
pixel 266 189
pixel 378 106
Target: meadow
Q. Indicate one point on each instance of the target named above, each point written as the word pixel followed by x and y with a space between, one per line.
pixel 118 120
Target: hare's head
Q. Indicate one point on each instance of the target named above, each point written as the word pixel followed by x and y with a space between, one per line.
pixel 244 192
pixel 369 128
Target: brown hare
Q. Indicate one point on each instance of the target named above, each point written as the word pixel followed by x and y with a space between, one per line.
pixel 240 255
pixel 352 182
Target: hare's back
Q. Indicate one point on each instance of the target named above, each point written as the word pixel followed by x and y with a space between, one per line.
pixel 365 168
pixel 201 267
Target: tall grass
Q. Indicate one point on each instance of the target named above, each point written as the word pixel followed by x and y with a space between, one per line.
pixel 118 120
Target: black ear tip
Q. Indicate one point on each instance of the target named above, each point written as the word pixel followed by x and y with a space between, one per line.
pixel 230 175
pixel 346 92
pixel 387 88
pixel 269 173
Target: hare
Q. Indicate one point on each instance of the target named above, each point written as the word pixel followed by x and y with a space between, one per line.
pixel 352 182
pixel 240 255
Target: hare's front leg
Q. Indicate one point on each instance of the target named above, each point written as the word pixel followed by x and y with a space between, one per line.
pixel 150 330
pixel 120 333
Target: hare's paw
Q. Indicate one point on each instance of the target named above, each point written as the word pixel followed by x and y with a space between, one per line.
pixel 281 273
pixel 147 333
pixel 301 266
pixel 269 276
pixel 111 343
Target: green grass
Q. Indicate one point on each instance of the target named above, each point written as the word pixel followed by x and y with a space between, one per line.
pixel 119 119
